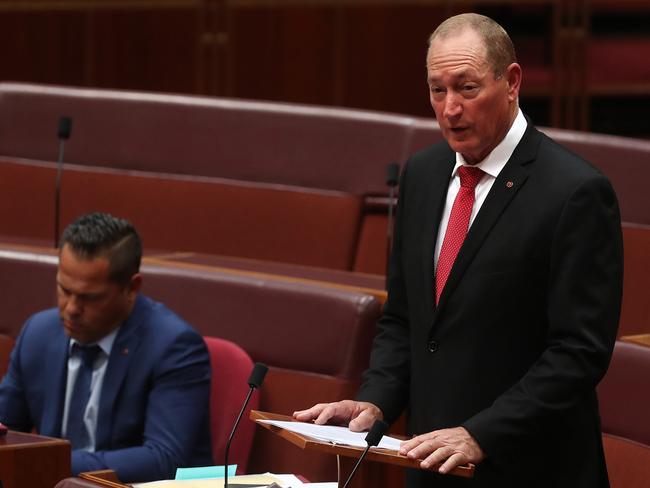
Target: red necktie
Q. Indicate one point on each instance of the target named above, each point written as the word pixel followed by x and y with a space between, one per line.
pixel 458 224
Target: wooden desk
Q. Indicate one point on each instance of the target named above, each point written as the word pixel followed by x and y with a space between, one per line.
pixel 641 339
pixel 33 461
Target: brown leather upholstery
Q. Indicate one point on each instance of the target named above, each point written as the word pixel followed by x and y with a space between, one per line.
pixel 635 313
pixel 373 284
pixel 6 345
pixel 209 215
pixel 282 323
pixel 257 220
pixel 628 462
pixel 624 393
pixel 625 161
pixel 316 147
pixel 624 396
pixel 28 281
pixel 27 202
pixel 425 133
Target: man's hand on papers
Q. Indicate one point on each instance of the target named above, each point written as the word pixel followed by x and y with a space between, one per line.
pixel 449 447
pixel 358 416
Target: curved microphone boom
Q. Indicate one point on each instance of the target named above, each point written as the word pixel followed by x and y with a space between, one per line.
pixel 63 133
pixel 373 438
pixel 255 380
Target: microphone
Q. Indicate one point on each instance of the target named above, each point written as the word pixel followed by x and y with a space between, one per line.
pixel 63 133
pixel 392 179
pixel 377 431
pixel 255 380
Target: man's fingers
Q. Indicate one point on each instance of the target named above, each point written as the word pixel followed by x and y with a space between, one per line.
pixel 411 444
pixel 363 421
pixel 329 412
pixel 310 413
pixel 359 415
pixel 454 460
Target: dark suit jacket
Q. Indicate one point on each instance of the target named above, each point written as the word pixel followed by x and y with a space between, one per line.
pixel 153 412
pixel 526 323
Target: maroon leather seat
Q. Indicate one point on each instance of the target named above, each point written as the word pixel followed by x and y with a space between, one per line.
pixel 188 213
pixel 624 393
pixel 231 367
pixel 628 462
pixel 625 161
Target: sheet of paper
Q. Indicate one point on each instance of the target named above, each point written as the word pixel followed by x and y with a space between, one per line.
pixel 288 480
pixel 204 472
pixel 251 479
pixel 334 434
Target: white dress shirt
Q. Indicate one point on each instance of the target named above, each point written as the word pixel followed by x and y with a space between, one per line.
pixel 491 165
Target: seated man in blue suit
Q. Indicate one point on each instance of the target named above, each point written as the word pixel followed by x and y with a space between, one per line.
pixel 122 377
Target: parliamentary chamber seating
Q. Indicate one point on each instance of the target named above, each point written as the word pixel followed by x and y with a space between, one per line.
pixel 239 203
pixel 314 338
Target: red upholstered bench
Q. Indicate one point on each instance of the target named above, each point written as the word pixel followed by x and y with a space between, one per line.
pixel 173 212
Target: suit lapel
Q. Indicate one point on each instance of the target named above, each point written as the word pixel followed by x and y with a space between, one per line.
pixel 124 347
pixel 510 180
pixel 57 373
pixel 437 184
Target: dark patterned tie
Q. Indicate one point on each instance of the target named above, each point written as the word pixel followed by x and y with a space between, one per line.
pixel 76 430
pixel 458 224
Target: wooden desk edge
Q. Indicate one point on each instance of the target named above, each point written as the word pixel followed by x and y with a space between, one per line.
pixel 374 454
pixel 105 477
pixel 640 339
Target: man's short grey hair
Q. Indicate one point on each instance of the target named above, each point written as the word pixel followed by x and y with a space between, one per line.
pixel 500 51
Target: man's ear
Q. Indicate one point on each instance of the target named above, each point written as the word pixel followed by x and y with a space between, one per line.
pixel 513 77
pixel 133 288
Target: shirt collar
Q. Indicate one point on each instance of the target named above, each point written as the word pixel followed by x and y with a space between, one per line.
pixel 105 343
pixel 499 156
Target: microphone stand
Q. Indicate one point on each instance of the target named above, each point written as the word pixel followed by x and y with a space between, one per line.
pixel 63 133
pixel 373 438
pixel 254 381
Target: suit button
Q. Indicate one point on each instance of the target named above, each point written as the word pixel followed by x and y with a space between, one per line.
pixel 432 346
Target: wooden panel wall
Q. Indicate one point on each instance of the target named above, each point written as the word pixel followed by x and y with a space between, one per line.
pixel 141 45
pixel 356 53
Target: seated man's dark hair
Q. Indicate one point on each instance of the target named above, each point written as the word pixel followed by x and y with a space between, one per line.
pixel 102 235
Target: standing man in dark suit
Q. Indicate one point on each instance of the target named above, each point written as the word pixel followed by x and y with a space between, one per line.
pixel 504 290
pixel 122 377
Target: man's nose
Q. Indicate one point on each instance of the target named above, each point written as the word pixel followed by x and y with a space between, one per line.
pixel 72 306
pixel 453 107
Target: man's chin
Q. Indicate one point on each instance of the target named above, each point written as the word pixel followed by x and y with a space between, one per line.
pixel 74 331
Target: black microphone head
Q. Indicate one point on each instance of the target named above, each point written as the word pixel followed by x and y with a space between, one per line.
pixel 392 174
pixel 377 431
pixel 65 128
pixel 256 378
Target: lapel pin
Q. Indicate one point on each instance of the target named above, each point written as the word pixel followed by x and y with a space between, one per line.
pixel 125 351
pixel 509 184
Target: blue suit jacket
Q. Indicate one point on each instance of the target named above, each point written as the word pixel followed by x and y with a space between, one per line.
pixel 154 405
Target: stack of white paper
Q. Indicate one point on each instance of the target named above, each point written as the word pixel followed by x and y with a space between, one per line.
pixel 334 434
